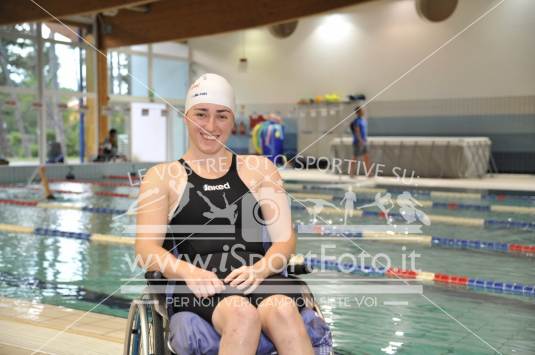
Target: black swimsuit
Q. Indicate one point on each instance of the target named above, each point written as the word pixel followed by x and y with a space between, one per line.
pixel 208 211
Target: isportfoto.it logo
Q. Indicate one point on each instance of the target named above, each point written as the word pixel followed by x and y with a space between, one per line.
pixel 224 186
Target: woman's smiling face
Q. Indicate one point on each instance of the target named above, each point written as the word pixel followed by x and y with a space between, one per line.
pixel 209 126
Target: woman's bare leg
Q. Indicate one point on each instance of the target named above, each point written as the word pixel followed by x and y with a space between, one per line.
pixel 44 182
pixel 353 167
pixel 283 324
pixel 238 323
pixel 367 165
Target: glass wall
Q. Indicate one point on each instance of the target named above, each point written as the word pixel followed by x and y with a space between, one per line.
pixel 132 71
pixel 170 77
pixel 18 77
pixel 162 66
pixel 64 96
pixel 18 127
pixel 17 62
pixel 128 74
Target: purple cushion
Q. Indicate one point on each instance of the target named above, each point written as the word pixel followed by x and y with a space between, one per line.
pixel 189 334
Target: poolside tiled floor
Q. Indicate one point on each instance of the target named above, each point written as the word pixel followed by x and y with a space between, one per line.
pixel 28 325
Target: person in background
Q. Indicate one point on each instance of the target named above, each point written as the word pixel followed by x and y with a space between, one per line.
pixel 110 143
pixel 44 182
pixel 359 128
pixel 274 139
pixel 54 154
pixel 108 149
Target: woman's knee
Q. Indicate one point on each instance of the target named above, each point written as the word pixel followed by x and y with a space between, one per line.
pixel 235 311
pixel 278 308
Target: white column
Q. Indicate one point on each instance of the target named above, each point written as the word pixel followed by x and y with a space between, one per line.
pixel 96 53
pixel 42 144
pixel 150 82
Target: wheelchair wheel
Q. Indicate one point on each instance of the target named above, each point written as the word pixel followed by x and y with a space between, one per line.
pixel 156 333
pixel 144 331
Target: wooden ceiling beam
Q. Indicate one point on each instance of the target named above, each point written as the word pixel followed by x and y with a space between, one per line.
pixel 17 11
pixel 182 19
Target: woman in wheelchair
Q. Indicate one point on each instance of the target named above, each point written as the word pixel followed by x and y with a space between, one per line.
pixel 200 224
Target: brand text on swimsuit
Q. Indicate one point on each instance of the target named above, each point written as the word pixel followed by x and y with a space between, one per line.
pixel 224 186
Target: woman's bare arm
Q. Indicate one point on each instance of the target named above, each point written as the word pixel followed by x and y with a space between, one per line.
pixel 152 211
pixel 152 214
pixel 280 229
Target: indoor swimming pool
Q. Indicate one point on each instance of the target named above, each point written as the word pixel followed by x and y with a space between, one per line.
pixel 446 318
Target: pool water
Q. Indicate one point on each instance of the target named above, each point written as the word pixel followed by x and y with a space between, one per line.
pixel 444 319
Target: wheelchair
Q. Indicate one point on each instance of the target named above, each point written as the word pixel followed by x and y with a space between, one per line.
pixel 147 331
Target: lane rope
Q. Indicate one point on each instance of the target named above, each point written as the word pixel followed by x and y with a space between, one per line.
pixel 424 240
pixel 450 205
pixel 442 219
pixel 450 220
pixel 414 192
pixel 425 276
pixel 495 286
pixel 423 193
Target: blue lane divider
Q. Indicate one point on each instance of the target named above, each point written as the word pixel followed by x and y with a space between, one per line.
pixel 469 244
pixel 487 223
pixel 502 287
pixel 105 210
pixel 495 286
pixel 414 193
pixel 360 200
pixel 512 197
pixel 462 206
pixel 473 283
pixel 367 213
pixel 51 232
pixel 60 233
pixel 353 268
pixel 509 224
pixel 432 241
pixel 427 193
pixel 434 204
pixel 452 205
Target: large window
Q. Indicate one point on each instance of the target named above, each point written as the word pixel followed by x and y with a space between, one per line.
pixel 164 67
pixel 65 91
pixel 18 78
pixel 17 62
pixel 67 64
pixel 18 127
pixel 128 74
pixel 170 77
pixel 64 67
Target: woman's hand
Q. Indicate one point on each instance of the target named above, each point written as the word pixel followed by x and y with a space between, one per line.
pixel 245 277
pixel 203 283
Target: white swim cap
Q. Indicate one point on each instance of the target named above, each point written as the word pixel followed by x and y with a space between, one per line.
pixel 211 89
